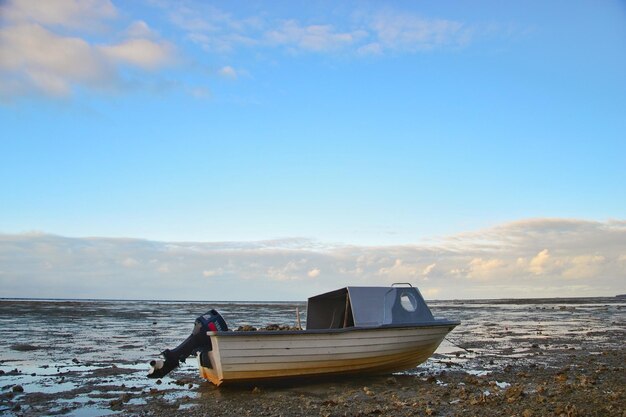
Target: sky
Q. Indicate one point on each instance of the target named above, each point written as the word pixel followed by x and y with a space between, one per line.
pixel 274 150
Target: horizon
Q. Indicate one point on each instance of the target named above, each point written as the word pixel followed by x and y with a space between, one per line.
pixel 603 297
pixel 274 150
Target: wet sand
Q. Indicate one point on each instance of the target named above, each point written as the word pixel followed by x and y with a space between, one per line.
pixel 524 358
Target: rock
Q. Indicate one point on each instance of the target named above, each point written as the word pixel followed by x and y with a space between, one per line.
pixel 567 411
pixel 159 382
pixel 586 381
pixel 256 390
pixel 472 380
pixel 527 413
pixel 392 380
pixel 75 360
pixel 17 388
pixel 24 347
pixel 513 393
pixel 116 404
pixel 246 328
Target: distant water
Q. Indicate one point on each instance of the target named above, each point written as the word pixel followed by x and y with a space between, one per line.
pixel 59 345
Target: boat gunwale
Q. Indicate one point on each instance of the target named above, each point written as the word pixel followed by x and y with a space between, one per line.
pixel 437 324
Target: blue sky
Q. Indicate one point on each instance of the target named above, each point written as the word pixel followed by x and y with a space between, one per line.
pixel 361 123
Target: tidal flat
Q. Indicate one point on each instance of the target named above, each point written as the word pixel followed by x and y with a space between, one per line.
pixel 508 357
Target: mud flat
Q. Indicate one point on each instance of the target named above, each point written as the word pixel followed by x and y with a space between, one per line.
pixel 513 359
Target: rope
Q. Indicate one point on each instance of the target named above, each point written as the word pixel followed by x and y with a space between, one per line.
pixel 459 346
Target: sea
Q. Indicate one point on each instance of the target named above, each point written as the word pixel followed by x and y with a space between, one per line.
pixel 73 347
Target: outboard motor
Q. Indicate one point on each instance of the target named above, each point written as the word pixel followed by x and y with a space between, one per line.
pixel 211 321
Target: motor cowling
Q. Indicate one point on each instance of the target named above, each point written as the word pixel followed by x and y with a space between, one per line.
pixel 198 340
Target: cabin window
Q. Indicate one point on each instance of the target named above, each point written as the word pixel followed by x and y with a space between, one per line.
pixel 408 301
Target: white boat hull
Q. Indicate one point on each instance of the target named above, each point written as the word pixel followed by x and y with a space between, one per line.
pixel 265 355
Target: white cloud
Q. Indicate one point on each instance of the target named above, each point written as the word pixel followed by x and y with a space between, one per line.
pixel 228 72
pixel 314 273
pixel 74 14
pixel 373 48
pixel 430 292
pixel 398 31
pixel 485 269
pixel 130 262
pixel 217 31
pixel 44 50
pixel 585 267
pixel 199 92
pixel 142 53
pixel 211 28
pixel 311 38
pixel 140 29
pixel 294 270
pixel 540 257
pixel 400 271
pixel 539 263
pixel 428 269
pixel 209 273
pixel 43 61
pixel 373 34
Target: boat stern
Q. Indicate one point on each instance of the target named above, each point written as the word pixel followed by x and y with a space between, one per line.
pixel 209 363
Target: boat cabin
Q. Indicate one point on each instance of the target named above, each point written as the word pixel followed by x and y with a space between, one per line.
pixel 367 307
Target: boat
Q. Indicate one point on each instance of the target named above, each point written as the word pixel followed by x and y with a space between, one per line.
pixel 349 331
